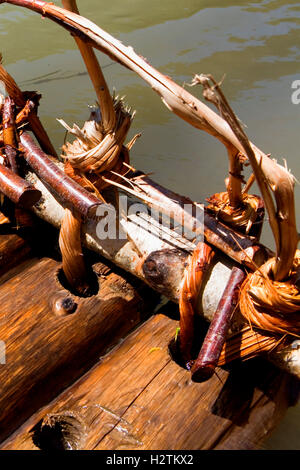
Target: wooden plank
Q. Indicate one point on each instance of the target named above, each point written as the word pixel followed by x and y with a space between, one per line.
pixel 46 350
pixel 137 398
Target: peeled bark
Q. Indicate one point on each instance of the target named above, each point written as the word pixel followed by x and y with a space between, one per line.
pixel 73 263
pixel 9 134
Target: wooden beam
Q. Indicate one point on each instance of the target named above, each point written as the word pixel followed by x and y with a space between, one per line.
pixel 137 398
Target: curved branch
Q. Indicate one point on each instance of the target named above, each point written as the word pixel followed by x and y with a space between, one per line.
pixel 97 78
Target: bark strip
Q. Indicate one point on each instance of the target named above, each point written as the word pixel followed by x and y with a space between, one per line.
pixel 9 133
pixel 72 256
pixel 194 276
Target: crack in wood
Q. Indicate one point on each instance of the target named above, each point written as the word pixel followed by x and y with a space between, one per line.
pixel 115 426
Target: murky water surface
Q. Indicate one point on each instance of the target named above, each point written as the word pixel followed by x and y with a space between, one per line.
pixel 255 44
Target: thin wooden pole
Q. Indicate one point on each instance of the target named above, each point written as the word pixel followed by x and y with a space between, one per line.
pixel 96 75
pixel 69 191
pixel 208 357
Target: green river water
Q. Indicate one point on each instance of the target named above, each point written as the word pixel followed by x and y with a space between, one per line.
pixel 255 44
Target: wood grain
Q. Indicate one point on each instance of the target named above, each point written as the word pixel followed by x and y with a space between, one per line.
pixel 47 348
pixel 137 398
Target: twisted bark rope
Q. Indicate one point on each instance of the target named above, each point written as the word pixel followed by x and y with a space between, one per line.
pixel 248 343
pixel 73 264
pixel 94 153
pixel 194 276
pixel 272 305
pixel 245 218
pixel 87 159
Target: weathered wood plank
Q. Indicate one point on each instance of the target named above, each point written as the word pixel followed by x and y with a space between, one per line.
pixel 48 348
pixel 138 398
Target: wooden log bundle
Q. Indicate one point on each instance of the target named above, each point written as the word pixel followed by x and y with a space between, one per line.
pixel 137 398
pixel 51 336
pixel 85 416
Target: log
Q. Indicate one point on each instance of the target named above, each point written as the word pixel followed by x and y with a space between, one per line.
pixel 16 189
pixel 52 337
pixel 159 407
pixel 152 244
pixel 196 221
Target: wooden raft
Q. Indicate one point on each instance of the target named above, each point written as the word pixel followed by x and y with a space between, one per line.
pixel 136 397
pixel 49 343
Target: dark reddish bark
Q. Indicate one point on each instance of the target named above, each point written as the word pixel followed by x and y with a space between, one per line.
pixel 205 364
pixel 71 193
pixel 17 189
